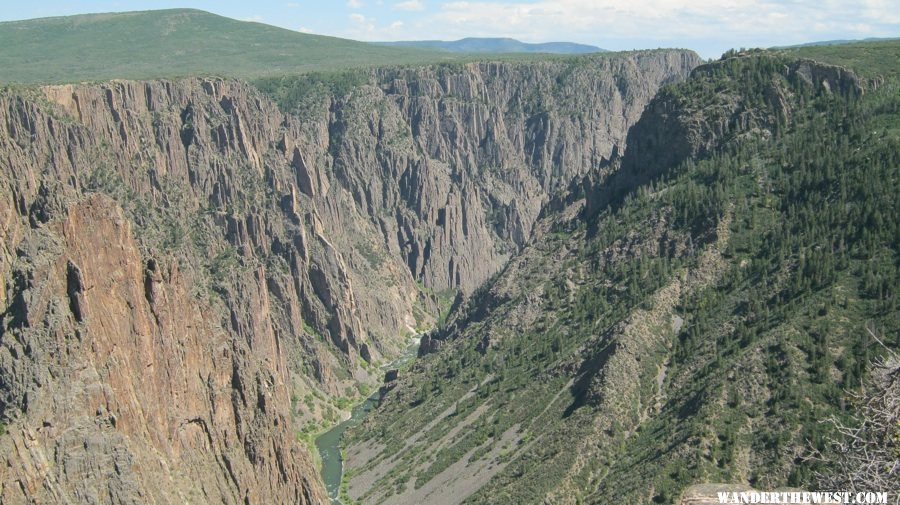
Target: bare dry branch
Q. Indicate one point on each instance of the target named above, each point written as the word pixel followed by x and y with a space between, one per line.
pixel 864 455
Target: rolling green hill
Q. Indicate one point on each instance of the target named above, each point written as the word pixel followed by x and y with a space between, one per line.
pixel 174 43
pixel 837 42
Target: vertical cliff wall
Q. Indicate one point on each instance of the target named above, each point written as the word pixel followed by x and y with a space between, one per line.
pixel 151 322
pixel 454 163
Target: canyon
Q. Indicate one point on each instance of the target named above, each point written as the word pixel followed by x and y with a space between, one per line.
pixel 192 274
pixel 241 264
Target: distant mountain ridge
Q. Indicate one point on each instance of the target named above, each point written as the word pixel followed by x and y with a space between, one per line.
pixel 496 45
pixel 837 42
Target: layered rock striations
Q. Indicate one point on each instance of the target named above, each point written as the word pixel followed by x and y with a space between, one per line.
pixel 127 389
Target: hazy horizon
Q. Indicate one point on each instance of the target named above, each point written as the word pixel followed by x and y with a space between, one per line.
pixel 708 27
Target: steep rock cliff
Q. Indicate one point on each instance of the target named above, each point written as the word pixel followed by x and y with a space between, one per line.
pixel 153 352
pixel 461 159
pixel 679 124
pixel 128 389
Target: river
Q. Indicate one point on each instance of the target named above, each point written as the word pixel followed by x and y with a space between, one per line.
pixel 329 443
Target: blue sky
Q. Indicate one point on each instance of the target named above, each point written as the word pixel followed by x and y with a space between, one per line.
pixel 707 26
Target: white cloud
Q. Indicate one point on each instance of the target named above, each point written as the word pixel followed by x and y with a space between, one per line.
pixel 701 24
pixel 255 19
pixel 708 26
pixel 363 27
pixel 354 4
pixel 410 5
pixel 292 5
pixel 881 11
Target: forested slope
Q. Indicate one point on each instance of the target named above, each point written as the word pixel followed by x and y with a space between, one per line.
pixel 690 318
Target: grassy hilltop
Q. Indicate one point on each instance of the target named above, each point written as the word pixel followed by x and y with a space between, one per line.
pixel 174 43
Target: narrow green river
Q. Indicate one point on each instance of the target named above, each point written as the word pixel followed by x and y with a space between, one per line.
pixel 329 443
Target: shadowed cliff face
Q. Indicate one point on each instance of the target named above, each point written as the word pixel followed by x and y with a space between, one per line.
pixel 674 128
pixel 454 164
pixel 190 276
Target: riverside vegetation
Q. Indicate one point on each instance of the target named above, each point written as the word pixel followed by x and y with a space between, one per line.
pixel 643 272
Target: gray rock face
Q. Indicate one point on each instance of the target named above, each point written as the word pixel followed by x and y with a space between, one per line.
pixel 181 261
pixel 556 382
pixel 123 379
pixel 462 160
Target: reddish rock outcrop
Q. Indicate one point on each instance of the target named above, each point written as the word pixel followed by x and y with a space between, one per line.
pixel 132 391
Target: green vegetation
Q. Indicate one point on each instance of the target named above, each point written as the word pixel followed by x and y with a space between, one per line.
pixel 308 94
pixel 768 352
pixel 802 195
pixel 177 43
pixel 186 42
pixel 868 59
pixel 804 182
pixel 307 435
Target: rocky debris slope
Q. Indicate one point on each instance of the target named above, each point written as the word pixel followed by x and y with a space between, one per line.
pixel 191 276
